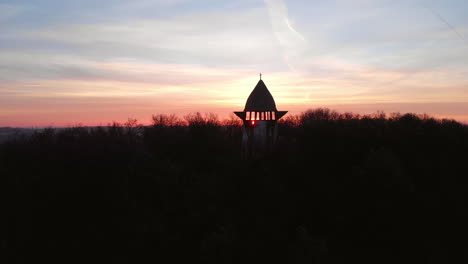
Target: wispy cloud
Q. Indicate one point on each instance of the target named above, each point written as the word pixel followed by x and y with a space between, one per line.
pixel 210 38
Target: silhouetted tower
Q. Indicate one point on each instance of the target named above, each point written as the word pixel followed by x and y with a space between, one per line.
pixel 260 118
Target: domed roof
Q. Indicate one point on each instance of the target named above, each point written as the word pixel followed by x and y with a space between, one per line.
pixel 260 99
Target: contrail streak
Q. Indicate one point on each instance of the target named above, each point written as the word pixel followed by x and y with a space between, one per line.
pixel 292 42
pixel 293 30
pixel 443 20
pixel 280 21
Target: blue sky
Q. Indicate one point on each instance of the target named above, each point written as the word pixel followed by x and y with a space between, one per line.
pixel 65 62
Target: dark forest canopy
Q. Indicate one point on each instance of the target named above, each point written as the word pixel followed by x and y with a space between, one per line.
pixel 338 188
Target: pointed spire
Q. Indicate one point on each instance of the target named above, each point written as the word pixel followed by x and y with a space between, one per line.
pixel 260 76
pixel 260 99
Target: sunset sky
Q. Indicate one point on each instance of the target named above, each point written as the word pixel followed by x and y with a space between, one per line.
pixel 90 62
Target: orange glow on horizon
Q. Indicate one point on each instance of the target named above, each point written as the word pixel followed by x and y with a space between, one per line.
pixel 135 92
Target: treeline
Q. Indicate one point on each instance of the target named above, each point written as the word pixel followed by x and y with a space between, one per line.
pixel 338 188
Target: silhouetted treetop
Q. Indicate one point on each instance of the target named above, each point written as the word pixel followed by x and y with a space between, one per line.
pixel 338 187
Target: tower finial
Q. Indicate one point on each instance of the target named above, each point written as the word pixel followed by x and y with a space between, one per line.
pixel 260 76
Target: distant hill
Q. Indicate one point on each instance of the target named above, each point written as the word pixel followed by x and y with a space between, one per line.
pixel 9 132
